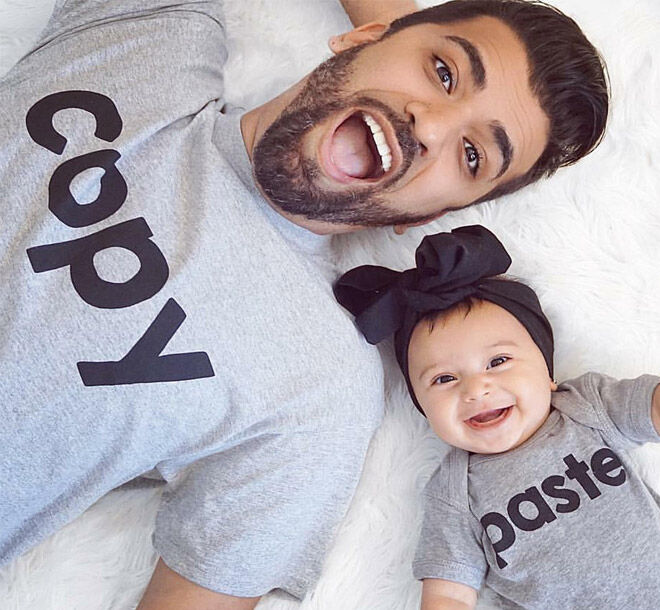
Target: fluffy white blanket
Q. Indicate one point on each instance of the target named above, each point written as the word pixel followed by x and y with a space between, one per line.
pixel 588 240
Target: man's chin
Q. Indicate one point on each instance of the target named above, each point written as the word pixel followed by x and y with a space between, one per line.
pixel 320 227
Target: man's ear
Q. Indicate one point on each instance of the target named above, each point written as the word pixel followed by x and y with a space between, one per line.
pixel 369 32
pixel 401 229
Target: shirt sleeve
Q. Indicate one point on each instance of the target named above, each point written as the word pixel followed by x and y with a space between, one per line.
pixel 449 547
pixel 155 61
pixel 622 407
pixel 69 16
pixel 259 516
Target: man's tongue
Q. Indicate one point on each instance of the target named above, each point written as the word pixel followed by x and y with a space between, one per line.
pixel 350 149
pixel 487 416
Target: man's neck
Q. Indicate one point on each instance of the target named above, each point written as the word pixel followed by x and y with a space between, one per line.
pixel 255 122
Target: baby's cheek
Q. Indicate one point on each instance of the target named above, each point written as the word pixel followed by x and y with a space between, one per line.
pixel 443 428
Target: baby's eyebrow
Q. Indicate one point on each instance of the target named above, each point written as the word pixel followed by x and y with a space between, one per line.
pixel 425 372
pixel 503 343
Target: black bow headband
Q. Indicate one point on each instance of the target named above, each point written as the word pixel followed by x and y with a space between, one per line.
pixel 449 268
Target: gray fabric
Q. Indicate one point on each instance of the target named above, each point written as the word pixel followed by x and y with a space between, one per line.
pixel 581 553
pixel 256 426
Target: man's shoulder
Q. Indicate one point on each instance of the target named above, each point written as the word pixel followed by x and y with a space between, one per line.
pixel 69 16
pixel 162 60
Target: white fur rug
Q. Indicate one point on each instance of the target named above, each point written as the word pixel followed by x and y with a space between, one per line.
pixel 588 240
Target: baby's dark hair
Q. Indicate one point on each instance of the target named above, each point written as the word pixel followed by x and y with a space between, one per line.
pixel 439 316
pixel 468 303
pixel 464 306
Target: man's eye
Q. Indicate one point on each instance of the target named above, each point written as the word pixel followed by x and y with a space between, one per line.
pixel 472 157
pixel 444 74
pixel 443 379
pixel 498 361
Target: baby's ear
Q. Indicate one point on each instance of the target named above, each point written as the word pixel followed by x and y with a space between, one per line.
pixel 369 32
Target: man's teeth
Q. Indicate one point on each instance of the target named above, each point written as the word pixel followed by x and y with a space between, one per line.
pixel 379 138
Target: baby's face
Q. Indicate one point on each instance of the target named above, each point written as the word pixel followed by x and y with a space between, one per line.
pixel 480 379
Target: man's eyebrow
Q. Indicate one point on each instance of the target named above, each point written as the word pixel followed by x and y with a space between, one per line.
pixel 476 63
pixel 504 144
pixel 479 77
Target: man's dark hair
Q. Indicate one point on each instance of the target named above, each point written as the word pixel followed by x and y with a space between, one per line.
pixel 566 73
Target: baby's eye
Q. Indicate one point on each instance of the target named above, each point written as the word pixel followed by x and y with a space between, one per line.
pixel 444 74
pixel 444 379
pixel 498 361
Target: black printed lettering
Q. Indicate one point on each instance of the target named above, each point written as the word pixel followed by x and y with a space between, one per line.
pixel 63 204
pixel 606 467
pixel 553 487
pixel 532 496
pixel 39 119
pixel 78 254
pixel 144 364
pixel 507 535
pixel 604 462
pixel 578 471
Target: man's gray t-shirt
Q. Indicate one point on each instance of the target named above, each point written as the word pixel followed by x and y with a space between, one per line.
pixel 563 520
pixel 159 316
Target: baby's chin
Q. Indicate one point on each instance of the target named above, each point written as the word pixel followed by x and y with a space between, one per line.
pixel 484 447
pixel 491 445
pixel 488 449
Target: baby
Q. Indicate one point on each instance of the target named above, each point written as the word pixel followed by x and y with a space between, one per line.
pixel 537 500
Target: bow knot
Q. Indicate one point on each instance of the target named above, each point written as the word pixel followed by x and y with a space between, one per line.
pixel 449 267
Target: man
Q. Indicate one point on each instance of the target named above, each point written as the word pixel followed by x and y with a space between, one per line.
pixel 163 319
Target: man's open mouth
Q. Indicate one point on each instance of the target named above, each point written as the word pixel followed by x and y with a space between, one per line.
pixel 358 149
pixel 486 419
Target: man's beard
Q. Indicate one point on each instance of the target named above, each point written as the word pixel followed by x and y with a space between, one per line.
pixel 289 180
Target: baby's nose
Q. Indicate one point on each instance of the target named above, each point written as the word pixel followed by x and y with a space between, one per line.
pixel 475 388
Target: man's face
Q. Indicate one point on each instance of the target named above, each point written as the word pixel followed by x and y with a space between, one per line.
pixel 480 378
pixel 404 129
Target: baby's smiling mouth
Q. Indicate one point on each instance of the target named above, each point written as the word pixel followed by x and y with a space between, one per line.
pixel 489 418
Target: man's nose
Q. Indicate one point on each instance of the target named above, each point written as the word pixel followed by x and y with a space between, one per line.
pixel 476 387
pixel 433 124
